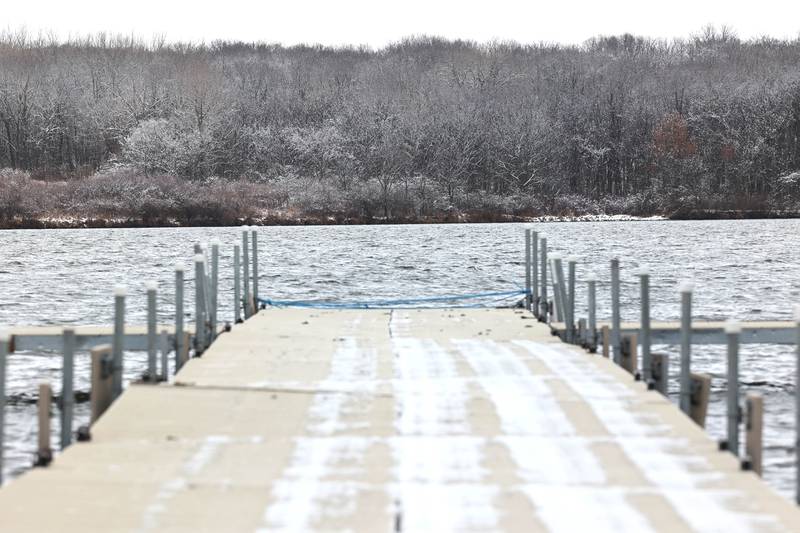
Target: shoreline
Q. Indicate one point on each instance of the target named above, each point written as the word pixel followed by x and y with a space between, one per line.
pixel 273 220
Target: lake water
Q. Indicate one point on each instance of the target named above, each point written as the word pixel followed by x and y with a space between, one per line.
pixel 748 270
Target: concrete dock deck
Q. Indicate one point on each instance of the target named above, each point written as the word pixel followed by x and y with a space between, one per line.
pixel 405 420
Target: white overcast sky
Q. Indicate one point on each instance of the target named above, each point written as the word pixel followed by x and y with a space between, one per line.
pixel 376 22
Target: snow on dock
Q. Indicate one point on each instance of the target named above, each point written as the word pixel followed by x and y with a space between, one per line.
pixel 405 420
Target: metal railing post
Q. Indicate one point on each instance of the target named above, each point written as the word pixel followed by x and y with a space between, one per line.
pixel 246 272
pixel 237 289
pixel 67 387
pixel 616 321
pixel 199 304
pixel 686 289
pixel 543 313
pixel 152 371
pixel 571 264
pixel 732 331
pixel 179 289
pixel 592 280
pixel 118 341
pixel 5 340
pixel 528 291
pixel 254 239
pixel 535 273
pixel 214 288
pixel 644 325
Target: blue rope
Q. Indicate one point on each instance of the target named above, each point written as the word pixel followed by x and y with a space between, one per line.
pixel 382 304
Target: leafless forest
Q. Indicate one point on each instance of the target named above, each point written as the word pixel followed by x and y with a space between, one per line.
pixel 425 129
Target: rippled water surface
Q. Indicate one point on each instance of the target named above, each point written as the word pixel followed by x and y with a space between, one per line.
pixel 743 269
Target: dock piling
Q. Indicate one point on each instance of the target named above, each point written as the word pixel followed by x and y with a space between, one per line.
pixel 685 290
pixel 571 265
pixel 214 288
pixel 528 256
pixel 5 340
pixel 616 339
pixel 254 239
pixel 592 325
pixel 118 340
pixel 67 392
pixel 754 429
pixel 644 333
pixel 199 304
pixel 179 340
pixel 605 331
pixel 164 348
pixel 245 273
pixel 44 452
pixel 237 289
pixel 563 302
pixel 545 308
pixel 797 405
pixel 152 372
pixel 734 415
pixel 535 272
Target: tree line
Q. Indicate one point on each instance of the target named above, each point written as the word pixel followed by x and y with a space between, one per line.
pixel 421 127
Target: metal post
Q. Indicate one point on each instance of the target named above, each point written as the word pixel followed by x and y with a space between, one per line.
pixel 543 315
pixel 246 273
pixel 557 292
pixel 535 272
pixel 214 287
pixel 592 312
pixel 733 329
pixel 179 347
pixel 118 341
pixel 152 372
pixel 616 325
pixel 686 289
pixel 562 290
pixel 164 347
pixel 67 392
pixel 644 326
pixel 4 342
pixel 796 406
pixel 237 290
pixel 254 238
pixel 571 263
pixel 528 292
pixel 199 302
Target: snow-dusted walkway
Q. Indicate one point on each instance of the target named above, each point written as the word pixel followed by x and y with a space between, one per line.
pixel 462 420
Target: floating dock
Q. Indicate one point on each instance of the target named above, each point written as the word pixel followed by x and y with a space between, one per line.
pixel 394 420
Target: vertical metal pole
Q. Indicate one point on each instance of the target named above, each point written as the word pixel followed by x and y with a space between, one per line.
pixel 544 304
pixel 152 371
pixel 118 341
pixel 4 345
pixel 67 388
pixel 528 292
pixel 535 272
pixel 732 330
pixel 164 347
pixel 616 321
pixel 644 326
pixel 562 288
pixel 254 238
pixel 686 289
pixel 796 406
pixel 571 263
pixel 246 273
pixel 237 290
pixel 592 312
pixel 557 281
pixel 214 286
pixel 199 299
pixel 179 347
